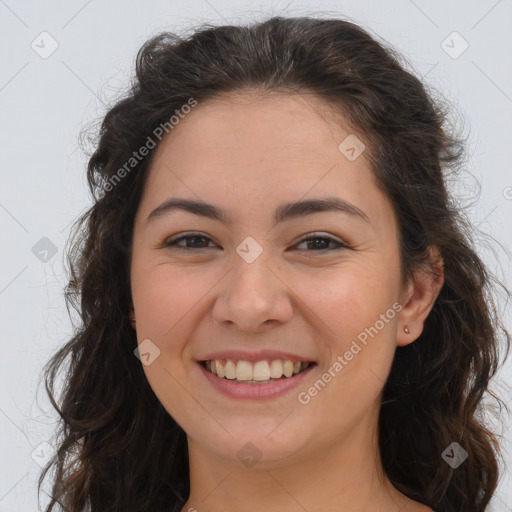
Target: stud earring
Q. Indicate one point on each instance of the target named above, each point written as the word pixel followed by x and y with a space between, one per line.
pixel 406 330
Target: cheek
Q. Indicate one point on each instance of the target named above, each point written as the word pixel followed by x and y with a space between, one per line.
pixel 167 302
pixel 358 321
pixel 165 299
pixel 350 297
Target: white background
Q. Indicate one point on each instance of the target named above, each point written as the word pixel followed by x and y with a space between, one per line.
pixel 45 103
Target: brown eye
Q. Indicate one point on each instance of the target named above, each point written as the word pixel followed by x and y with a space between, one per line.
pixel 322 243
pixel 198 242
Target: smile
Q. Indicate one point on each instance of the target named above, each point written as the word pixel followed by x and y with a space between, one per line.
pixel 256 381
pixel 259 372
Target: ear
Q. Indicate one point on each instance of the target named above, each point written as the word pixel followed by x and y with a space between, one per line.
pixel 131 315
pixel 419 298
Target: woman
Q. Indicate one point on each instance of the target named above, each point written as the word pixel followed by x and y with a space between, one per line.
pixel 281 305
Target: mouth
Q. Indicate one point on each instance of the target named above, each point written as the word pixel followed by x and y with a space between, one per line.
pixel 256 380
pixel 255 373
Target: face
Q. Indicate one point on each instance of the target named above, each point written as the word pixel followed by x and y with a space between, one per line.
pixel 311 285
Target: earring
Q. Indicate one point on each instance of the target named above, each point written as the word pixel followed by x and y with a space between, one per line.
pixel 132 317
pixel 406 330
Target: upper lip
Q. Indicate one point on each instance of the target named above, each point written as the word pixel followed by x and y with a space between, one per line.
pixel 262 355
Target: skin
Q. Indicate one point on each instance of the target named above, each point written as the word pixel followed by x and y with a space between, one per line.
pixel 249 153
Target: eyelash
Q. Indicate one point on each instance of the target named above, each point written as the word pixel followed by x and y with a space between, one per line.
pixel 171 243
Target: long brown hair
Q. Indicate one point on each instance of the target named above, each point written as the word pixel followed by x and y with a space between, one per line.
pixel 118 448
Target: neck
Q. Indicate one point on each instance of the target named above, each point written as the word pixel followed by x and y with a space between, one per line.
pixel 331 474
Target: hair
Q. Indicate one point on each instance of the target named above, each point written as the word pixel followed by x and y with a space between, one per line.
pixel 118 448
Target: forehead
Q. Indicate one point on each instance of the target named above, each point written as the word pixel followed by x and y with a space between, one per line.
pixel 261 149
pixel 253 124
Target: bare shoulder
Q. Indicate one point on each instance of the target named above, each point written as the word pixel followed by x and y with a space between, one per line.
pixel 415 506
pixel 422 508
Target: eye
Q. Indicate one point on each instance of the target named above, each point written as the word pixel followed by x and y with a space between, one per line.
pixel 195 237
pixel 325 241
pixel 200 241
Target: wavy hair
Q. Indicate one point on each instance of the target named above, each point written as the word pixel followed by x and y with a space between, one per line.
pixel 118 448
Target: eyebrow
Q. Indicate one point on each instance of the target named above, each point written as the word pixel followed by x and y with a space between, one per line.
pixel 282 213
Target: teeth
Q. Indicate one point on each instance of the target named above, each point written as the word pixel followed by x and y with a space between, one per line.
pixel 276 369
pixel 288 368
pixel 244 370
pixel 230 370
pixel 259 371
pixel 219 368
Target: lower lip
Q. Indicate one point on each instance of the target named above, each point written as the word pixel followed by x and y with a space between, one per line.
pixel 255 391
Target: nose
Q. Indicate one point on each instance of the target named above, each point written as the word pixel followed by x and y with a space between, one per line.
pixel 254 296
